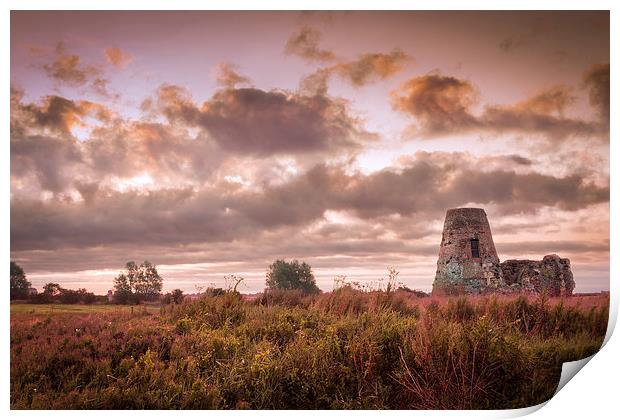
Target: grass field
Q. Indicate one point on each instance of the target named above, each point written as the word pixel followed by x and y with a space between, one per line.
pixel 285 350
pixel 30 308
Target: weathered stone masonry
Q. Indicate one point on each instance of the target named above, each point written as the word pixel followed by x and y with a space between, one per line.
pixel 460 268
pixel 468 262
pixel 552 274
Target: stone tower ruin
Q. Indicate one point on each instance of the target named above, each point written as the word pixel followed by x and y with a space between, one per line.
pixel 468 262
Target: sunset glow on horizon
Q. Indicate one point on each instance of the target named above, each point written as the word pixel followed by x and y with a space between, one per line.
pixel 212 143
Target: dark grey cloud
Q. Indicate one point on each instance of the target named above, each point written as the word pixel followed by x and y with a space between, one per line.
pixel 222 212
pixel 46 154
pixel 43 148
pixel 49 160
pixel 596 78
pixel 56 113
pixel 518 159
pixel 343 251
pixel 252 121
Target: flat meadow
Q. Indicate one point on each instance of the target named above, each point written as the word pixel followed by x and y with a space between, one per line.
pixel 60 308
pixel 346 349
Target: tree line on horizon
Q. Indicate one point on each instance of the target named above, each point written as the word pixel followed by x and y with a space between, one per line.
pixel 138 283
pixel 21 289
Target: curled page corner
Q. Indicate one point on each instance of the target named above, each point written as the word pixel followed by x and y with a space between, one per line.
pixel 519 412
pixel 570 369
pixel 611 323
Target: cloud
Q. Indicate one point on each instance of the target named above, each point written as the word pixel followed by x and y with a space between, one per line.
pixel 519 160
pixel 433 182
pixel 371 67
pixel 55 113
pixel 440 104
pixel 222 211
pixel 443 105
pixel 552 247
pixel 305 44
pixel 553 100
pixel 541 114
pixel 513 42
pixel 597 79
pixel 47 160
pixel 69 68
pixel 228 77
pixel 366 68
pixel 252 121
pixel 117 57
pixel 45 151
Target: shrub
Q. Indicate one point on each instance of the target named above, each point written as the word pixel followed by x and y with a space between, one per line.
pixel 290 298
pixel 345 349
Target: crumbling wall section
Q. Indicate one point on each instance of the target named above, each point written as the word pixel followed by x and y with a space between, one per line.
pixel 552 275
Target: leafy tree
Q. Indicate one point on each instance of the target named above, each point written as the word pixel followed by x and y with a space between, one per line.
pixel 148 283
pixel 177 296
pixel 76 296
pixel 86 296
pixel 52 289
pixel 19 282
pixel 137 282
pixel 69 296
pixel 291 275
pixel 122 289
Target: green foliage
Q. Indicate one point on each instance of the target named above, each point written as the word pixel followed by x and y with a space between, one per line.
pixel 54 293
pixel 183 325
pixel 282 297
pixel 19 282
pixel 137 282
pixel 291 275
pixel 51 289
pixel 288 350
pixel 177 296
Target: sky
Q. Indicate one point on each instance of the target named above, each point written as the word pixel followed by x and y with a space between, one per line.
pixel 213 143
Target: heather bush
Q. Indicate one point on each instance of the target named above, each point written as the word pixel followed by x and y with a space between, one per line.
pixel 283 297
pixel 347 349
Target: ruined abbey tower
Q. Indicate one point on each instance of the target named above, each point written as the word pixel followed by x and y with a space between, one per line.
pixel 468 262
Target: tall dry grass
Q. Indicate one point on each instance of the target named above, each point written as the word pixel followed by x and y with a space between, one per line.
pixel 346 349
